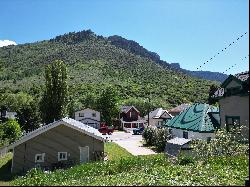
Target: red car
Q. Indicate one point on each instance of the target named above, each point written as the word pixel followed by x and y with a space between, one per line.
pixel 104 129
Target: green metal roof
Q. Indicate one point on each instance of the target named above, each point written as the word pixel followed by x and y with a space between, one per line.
pixel 198 117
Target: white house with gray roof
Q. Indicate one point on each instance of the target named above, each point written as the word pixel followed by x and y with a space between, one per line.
pixel 158 117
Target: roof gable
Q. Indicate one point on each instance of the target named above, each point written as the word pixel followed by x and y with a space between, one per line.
pixel 229 80
pixel 166 115
pixel 125 109
pixel 77 125
pixel 239 78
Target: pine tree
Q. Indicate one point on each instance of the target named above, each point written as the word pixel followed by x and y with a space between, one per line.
pixel 54 103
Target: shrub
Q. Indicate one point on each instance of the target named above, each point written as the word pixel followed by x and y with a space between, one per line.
pixel 185 159
pixel 156 137
pixel 225 143
pixel 149 135
pixel 160 138
pixel 11 131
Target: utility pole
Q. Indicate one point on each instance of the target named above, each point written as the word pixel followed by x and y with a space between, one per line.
pixel 148 109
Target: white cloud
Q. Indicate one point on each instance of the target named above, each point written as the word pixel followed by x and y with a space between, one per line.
pixel 6 42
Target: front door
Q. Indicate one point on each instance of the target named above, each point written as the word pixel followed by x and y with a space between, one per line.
pixel 84 154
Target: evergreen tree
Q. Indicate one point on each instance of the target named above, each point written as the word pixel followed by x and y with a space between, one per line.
pixel 54 103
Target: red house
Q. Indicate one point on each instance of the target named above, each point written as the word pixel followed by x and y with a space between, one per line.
pixel 130 118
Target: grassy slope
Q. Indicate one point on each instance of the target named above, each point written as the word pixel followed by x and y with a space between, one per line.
pixel 144 170
pixel 115 152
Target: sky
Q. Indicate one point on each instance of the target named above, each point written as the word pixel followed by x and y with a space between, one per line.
pixel 188 32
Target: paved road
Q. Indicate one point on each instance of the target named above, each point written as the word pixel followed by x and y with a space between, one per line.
pixel 132 143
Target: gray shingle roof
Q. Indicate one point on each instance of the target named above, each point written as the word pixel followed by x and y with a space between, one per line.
pixel 243 76
pixel 66 121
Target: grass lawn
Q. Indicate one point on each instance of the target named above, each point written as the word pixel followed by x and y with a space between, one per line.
pixel 5 165
pixel 124 169
pixel 115 152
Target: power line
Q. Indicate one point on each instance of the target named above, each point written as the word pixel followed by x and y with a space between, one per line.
pixel 223 50
pixel 235 64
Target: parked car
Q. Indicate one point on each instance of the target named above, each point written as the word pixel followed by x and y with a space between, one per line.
pixel 104 129
pixel 138 130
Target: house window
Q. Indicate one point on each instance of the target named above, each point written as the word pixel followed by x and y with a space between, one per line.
pixel 81 114
pixel 93 114
pixel 133 114
pixel 232 122
pixel 39 157
pixel 62 156
pixel 185 135
pixel 127 125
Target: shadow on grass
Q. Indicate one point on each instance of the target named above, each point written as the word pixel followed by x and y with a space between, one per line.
pixel 153 148
pixel 5 172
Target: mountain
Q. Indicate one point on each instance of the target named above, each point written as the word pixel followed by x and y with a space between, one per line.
pixel 94 62
pixel 135 48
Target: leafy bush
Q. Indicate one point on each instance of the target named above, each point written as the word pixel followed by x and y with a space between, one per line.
pixel 156 137
pixel 11 131
pixel 161 136
pixel 149 136
pixel 185 159
pixel 225 143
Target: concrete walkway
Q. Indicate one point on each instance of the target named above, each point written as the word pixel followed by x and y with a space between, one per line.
pixel 132 143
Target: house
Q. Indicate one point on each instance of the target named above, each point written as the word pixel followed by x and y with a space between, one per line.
pixel 199 121
pixel 89 117
pixel 158 117
pixel 130 118
pixel 233 98
pixel 7 115
pixel 63 142
pixel 177 110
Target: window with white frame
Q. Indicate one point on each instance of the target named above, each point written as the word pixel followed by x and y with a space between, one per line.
pixel 39 157
pixel 62 156
pixel 93 114
pixel 81 114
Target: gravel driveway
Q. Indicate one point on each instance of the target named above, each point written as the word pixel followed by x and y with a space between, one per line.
pixel 132 143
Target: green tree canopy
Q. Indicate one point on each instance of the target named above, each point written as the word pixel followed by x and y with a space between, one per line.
pixel 55 100
pixel 25 106
pixel 107 104
pixel 10 130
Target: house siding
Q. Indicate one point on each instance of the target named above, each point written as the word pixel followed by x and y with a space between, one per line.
pixel 91 122
pixel 235 106
pixel 126 116
pixel 88 114
pixel 58 139
pixel 154 122
pixel 191 135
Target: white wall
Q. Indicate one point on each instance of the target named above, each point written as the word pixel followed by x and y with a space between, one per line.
pixel 191 134
pixel 87 114
pixel 154 122
pixel 91 123
pixel 235 106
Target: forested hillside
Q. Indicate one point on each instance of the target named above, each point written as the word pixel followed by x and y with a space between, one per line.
pixel 135 48
pixel 93 63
